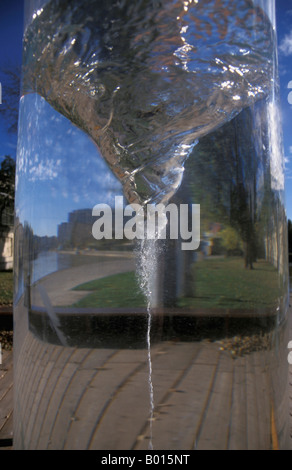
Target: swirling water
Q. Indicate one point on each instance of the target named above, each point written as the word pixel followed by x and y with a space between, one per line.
pixel 146 79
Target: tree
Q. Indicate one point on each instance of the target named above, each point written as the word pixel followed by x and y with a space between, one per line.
pixel 11 94
pixel 231 241
pixel 7 189
pixel 231 178
pixel 290 236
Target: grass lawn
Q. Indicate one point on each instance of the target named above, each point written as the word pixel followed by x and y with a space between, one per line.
pixel 218 283
pixel 119 290
pixel 225 283
pixel 6 288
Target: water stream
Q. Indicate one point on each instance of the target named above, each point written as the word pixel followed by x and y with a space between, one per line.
pixel 147 256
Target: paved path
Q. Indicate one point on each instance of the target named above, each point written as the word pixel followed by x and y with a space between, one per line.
pixel 59 284
pixel 65 399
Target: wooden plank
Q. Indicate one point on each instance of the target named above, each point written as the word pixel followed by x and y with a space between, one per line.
pixel 66 414
pixel 6 398
pixel 7 362
pixel 6 433
pixel 126 413
pixel 131 408
pixel 30 364
pixel 251 420
pixel 214 433
pixel 263 396
pixel 26 369
pixel 39 365
pixel 251 407
pixel 6 407
pixel 6 374
pixel 41 391
pixel 97 358
pixel 57 397
pixel 27 373
pixel 94 402
pixel 92 360
pixel 254 425
pixel 238 422
pixel 179 411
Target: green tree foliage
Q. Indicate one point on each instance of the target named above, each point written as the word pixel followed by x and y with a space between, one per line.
pixel 231 241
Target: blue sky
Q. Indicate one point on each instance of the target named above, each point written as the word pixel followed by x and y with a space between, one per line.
pixel 284 28
pixel 11 29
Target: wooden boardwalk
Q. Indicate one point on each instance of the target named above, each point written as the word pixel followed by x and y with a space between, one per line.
pixel 65 387
pixel 6 400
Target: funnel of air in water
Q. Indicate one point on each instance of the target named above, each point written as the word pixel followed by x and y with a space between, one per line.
pixel 146 85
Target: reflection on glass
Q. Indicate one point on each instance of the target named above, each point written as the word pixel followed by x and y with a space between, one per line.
pixel 127 342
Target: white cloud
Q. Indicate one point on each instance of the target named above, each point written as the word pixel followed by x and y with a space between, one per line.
pixel 286 45
pixel 43 171
pixel 12 146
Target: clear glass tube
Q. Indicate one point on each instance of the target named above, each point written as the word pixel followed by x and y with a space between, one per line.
pixel 151 266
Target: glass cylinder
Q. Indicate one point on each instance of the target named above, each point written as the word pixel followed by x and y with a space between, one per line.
pixel 151 267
